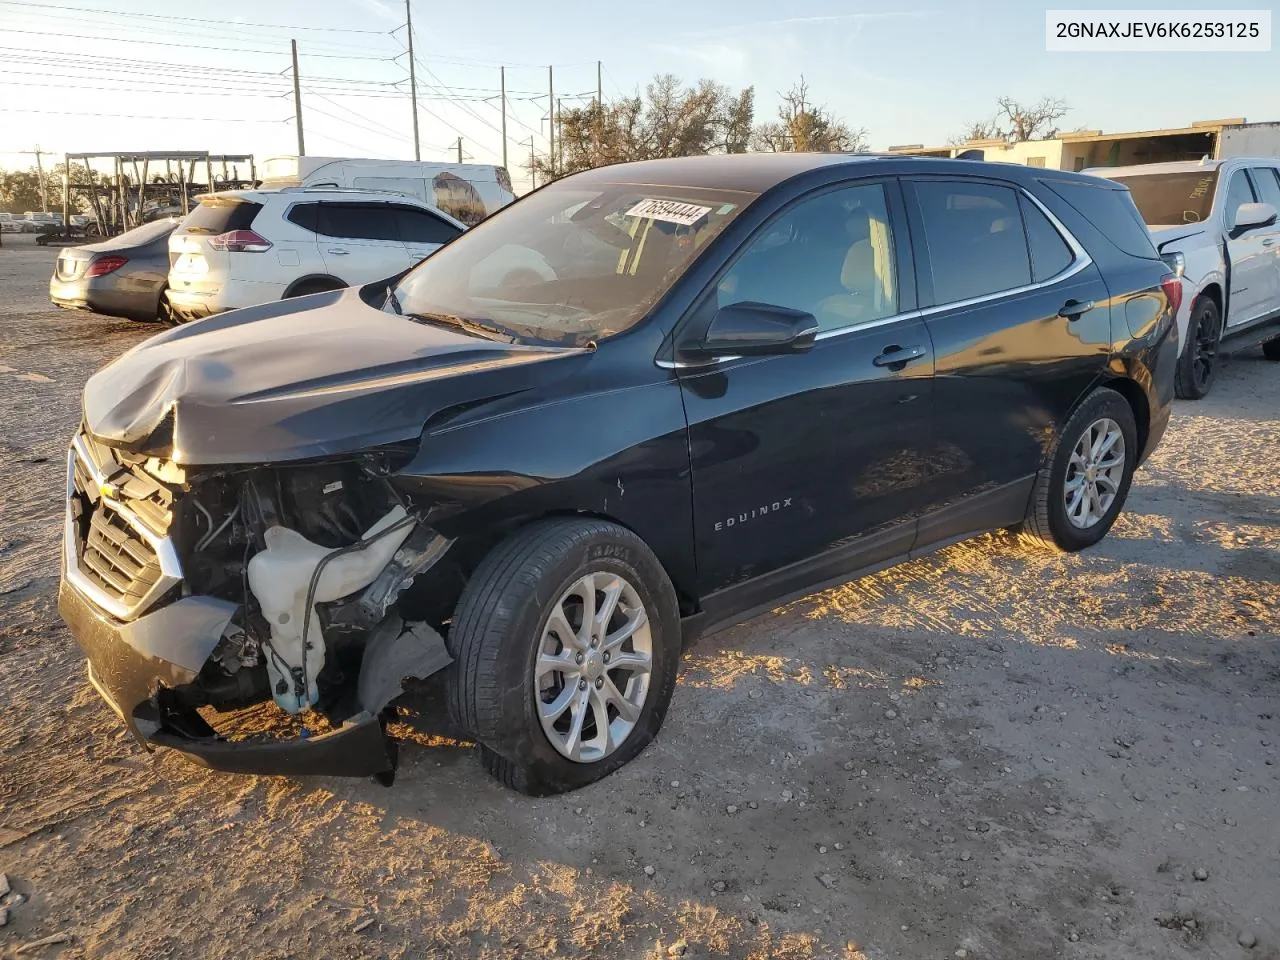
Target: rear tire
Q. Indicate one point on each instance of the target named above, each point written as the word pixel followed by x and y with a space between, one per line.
pixel 1083 486
pixel 531 667
pixel 1199 361
pixel 308 287
pixel 1271 350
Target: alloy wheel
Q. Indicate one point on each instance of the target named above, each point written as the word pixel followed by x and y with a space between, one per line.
pixel 1206 349
pixel 1094 473
pixel 594 662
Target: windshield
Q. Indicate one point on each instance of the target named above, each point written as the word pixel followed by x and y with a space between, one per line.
pixel 1168 199
pixel 569 264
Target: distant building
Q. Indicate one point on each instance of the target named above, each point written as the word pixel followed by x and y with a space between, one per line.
pixel 1078 149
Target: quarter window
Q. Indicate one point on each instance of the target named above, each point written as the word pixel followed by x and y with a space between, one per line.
pixel 975 239
pixel 830 255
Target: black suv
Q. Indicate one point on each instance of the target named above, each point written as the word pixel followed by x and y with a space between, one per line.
pixel 640 403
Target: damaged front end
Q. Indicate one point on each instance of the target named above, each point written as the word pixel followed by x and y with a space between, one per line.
pixel 202 594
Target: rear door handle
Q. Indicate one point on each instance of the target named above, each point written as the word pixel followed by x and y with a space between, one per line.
pixel 338 251
pixel 1268 242
pixel 1073 308
pixel 896 357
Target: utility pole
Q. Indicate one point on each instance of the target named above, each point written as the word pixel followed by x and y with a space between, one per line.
pixel 459 149
pixel 413 81
pixel 599 110
pixel 551 109
pixel 533 170
pixel 44 198
pixel 502 82
pixel 556 121
pixel 297 99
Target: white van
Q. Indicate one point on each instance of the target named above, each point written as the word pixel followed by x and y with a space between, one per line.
pixel 466 191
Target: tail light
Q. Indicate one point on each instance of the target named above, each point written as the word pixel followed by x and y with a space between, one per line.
pixel 104 265
pixel 1172 287
pixel 240 241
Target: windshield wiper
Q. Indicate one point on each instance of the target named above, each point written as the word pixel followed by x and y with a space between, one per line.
pixel 490 331
pixel 394 301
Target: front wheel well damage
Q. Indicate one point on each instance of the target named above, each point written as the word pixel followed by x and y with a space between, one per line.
pixel 437 594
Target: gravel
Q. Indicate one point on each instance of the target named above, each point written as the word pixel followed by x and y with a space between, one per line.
pixel 1139 636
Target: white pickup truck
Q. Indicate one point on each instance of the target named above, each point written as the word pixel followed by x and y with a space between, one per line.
pixel 1214 223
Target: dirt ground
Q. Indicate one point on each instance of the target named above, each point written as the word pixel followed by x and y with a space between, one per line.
pixel 990 753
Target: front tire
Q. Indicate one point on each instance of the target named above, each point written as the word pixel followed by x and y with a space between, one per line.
pixel 567 642
pixel 1083 487
pixel 1198 364
pixel 1271 350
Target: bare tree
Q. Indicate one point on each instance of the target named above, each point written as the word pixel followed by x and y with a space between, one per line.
pixel 1015 122
pixel 803 126
pixel 668 120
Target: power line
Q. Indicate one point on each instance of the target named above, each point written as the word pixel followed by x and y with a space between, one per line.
pixel 91 61
pixel 163 16
pixel 135 116
pixel 188 46
pixel 102 21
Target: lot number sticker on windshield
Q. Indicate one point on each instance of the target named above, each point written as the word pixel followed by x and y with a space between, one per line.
pixel 671 211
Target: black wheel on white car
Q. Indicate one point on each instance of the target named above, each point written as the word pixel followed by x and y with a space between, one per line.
pixel 308 287
pixel 1198 363
pixel 1083 486
pixel 1271 350
pixel 567 643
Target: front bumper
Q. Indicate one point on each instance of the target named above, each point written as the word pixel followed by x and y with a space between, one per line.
pixel 126 670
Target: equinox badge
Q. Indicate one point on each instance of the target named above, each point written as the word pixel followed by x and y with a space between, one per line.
pixel 753 514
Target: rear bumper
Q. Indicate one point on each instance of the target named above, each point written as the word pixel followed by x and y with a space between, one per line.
pixel 101 298
pixel 194 304
pixel 127 671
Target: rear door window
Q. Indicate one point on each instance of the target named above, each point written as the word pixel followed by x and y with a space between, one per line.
pixel 357 221
pixel 1050 254
pixel 975 239
pixel 420 226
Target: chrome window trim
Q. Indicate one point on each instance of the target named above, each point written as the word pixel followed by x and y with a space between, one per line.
pixel 1080 260
pixel 166 553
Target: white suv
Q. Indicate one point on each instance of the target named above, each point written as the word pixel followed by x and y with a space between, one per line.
pixel 245 247
pixel 1215 224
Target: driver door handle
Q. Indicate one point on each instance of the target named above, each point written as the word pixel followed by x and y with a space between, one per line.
pixel 1268 242
pixel 1073 308
pixel 337 251
pixel 896 357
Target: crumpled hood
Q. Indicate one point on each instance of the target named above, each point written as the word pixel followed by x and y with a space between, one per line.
pixel 320 375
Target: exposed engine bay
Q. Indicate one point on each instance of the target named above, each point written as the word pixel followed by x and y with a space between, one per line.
pixel 315 559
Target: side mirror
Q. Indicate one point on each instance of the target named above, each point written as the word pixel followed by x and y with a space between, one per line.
pixel 756 330
pixel 1250 215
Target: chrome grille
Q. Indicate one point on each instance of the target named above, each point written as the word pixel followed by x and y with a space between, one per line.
pixel 117 558
pixel 116 551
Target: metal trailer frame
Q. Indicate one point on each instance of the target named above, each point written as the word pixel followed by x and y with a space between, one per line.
pixel 119 203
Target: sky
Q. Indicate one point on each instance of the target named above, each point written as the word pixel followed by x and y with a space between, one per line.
pixel 109 75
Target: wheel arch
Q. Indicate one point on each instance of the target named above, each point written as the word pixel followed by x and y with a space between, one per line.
pixel 332 282
pixel 472 547
pixel 1136 397
pixel 1213 290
